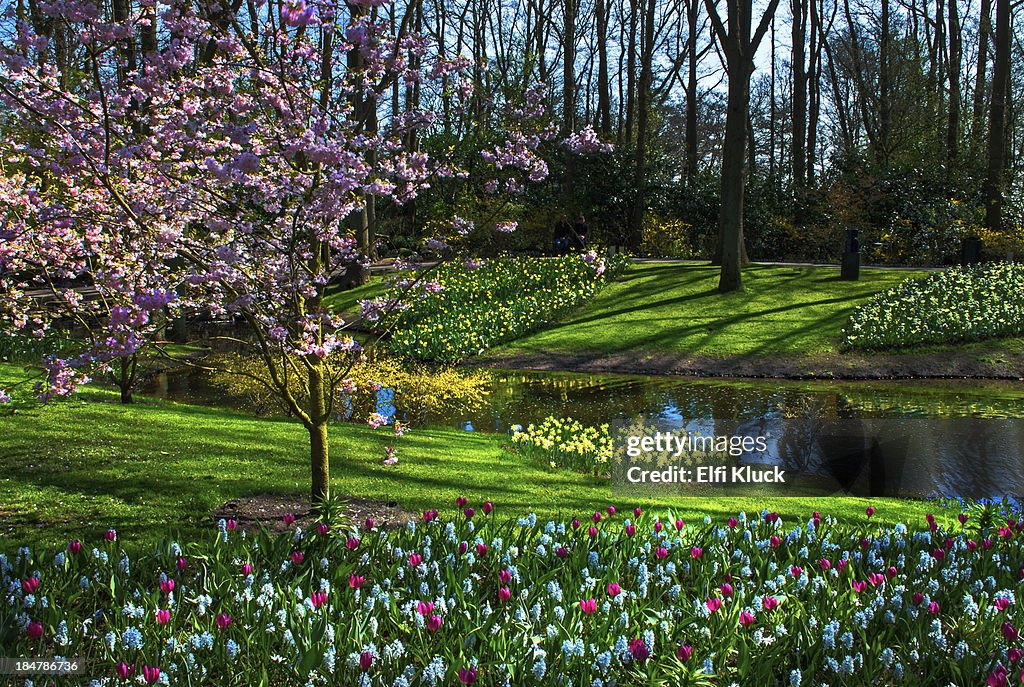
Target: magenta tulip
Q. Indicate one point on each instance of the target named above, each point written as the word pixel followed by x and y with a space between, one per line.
pixel 163 616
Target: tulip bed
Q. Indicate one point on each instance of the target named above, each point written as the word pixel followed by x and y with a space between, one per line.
pixel 465 309
pixel 959 304
pixel 619 599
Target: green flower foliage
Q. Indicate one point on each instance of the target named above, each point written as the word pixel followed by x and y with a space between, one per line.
pixel 957 305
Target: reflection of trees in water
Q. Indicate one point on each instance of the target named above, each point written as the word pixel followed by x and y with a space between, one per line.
pixel 975 458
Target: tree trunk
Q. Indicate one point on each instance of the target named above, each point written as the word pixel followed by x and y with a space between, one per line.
pixel 730 222
pixel 642 124
pixel 978 109
pixel 955 64
pixel 319 461
pixel 569 69
pixel 691 96
pixel 995 179
pixel 799 133
pixel 604 96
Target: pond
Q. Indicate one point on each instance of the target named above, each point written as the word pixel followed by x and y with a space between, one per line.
pixel 523 397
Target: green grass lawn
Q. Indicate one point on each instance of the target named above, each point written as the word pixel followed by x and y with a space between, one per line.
pixel 77 467
pixel 677 308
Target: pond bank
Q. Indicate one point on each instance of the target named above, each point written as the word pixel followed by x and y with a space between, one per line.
pixel 996 360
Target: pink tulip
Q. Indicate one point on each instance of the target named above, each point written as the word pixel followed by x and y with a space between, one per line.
pixel 1015 655
pixel 630 530
pixel 505 576
pixel 351 543
pixel 870 510
pixel 726 590
pixel 1002 603
pixel 30 585
pixel 461 501
pixel 746 619
pixel 318 599
pixel 223 620
pixel 167 586
pixel 124 671
pixel 658 526
pixel 297 557
pixel 434 623
pixel 696 552
pixel 596 517
pixel 770 603
pixel 368 524
pixel 962 518
pixel 680 524
pixel 575 523
pixel 181 563
pixel 246 569
pixel 288 519
pixel 35 630
pixel 469 513
pixel 825 564
pixel 365 660
pixel 592 532
pixel 998 677
pixel 637 512
pixel 481 549
pixel 771 517
pixel 614 589
pixel 151 674
pixel 731 522
pixel 972 545
pixel 322 529
pixel 918 598
pixel 933 608
pixel 504 594
pixel 356 581
pixel 588 606
pixel 463 547
pixel 425 608
pixel 876 579
pixel 467 676
pixel 163 616
pixel 892 572
pixel 638 648
pixel 488 507
pixel 713 603
pixel 1010 633
pixel 661 553
pixel 562 552
pixel 415 559
pixel 684 652
pixel 74 546
pixel 774 542
pixel 859 586
pixel 231 525
pixel 842 563
pixel 796 570
pixel 110 535
pixel 611 510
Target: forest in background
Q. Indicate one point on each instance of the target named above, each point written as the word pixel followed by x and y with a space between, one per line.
pixel 901 119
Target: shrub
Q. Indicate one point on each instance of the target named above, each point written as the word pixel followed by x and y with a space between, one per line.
pixel 959 304
pixel 502 601
pixel 417 394
pixel 467 308
pixel 667 238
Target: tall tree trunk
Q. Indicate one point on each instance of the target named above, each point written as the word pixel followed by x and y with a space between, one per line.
pixel 955 65
pixel 604 94
pixel 733 182
pixel 814 87
pixel 981 76
pixel 569 68
pixel 997 144
pixel 631 70
pixel 642 124
pixel 799 118
pixel 691 95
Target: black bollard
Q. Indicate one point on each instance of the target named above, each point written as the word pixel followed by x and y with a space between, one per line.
pixel 850 267
pixel 970 251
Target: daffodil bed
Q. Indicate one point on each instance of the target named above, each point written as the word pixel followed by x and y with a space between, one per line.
pixel 462 309
pixel 618 599
pixel 566 443
pixel 959 304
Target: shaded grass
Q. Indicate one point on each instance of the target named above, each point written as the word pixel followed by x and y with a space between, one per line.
pixel 157 469
pixel 676 307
